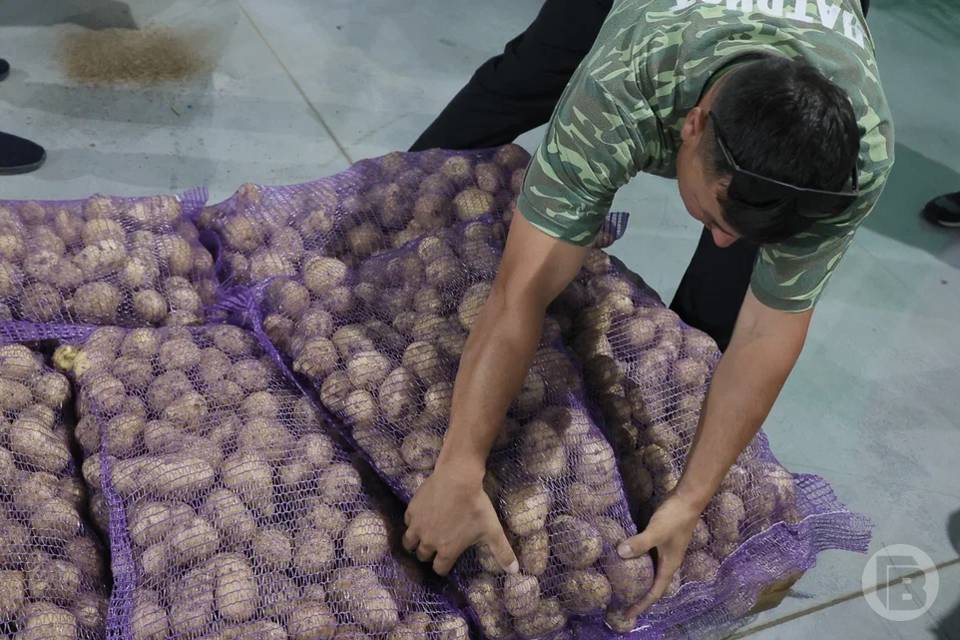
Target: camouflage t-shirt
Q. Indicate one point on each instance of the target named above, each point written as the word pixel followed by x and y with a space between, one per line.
pixel 624 108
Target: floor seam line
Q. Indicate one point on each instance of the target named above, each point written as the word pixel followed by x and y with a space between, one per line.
pixel 296 84
pixel 838 600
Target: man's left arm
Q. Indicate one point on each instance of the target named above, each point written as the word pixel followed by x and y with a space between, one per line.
pixel 765 345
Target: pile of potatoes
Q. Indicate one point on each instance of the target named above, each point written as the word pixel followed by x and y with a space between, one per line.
pixel 52 571
pixel 384 364
pixel 558 491
pixel 376 205
pixel 103 260
pixel 244 519
pixel 649 374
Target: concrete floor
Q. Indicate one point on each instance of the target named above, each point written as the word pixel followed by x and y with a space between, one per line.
pixel 300 88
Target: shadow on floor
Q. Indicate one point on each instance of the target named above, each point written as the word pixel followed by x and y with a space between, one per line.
pixel 91 14
pixel 915 180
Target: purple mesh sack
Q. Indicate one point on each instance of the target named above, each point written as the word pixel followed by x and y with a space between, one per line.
pixel 231 513
pixel 53 581
pixel 105 260
pixel 648 373
pixel 373 206
pixel 382 357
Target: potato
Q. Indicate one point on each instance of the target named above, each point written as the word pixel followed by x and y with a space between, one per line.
pixel 150 306
pixel 483 595
pixel 340 483
pixel 534 553
pixel 360 409
pixel 89 609
pixel 725 515
pixel 526 507
pixel 473 203
pixel 12 593
pixel 690 372
pixel 611 532
pixel 585 591
pixel 11 279
pixel 415 626
pixel 542 452
pixel 531 396
pixel 437 400
pixel 368 369
pixel 321 274
pixel 575 542
pixel 196 540
pixel 366 539
pixel 148 619
pixel 311 620
pixel 149 523
pixel 471 304
pixel 699 566
pixel 420 449
pixel 56 518
pixel 359 592
pixel 12 247
pixel 248 474
pixel 46 621
pixel 445 273
pixel 327 519
pixel 630 579
pixel 547 618
pixel 37 446
pixel 425 362
pixel 51 579
pixel 521 594
pixel 227 512
pixel 272 548
pixel 618 620
pixel 317 359
pixel 40 302
pixel 313 552
pixel 17 362
pixel 236 588
pixel 511 157
pixel 192 600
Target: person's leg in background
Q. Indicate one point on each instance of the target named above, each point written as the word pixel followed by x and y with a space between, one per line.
pixel 17 155
pixel 713 286
pixel 944 210
pixel 517 90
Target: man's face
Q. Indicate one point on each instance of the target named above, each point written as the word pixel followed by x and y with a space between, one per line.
pixel 698 189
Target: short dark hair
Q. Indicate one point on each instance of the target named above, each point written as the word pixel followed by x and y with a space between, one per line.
pixel 781 119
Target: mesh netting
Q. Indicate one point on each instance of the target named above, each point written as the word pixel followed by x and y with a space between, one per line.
pixel 378 334
pixel 105 260
pixel 53 579
pixel 230 511
pixel 648 374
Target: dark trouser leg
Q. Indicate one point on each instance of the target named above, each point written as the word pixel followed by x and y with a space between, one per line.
pixel 713 287
pixel 517 90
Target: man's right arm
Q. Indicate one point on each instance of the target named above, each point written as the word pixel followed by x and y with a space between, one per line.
pixel 450 512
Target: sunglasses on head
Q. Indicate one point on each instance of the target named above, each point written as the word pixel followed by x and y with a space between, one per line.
pixel 758 191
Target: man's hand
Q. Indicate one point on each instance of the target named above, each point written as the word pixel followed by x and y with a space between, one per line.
pixel 450 513
pixel 670 530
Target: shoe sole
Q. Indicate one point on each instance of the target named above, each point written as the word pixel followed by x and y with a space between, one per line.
pixel 23 168
pixel 941 217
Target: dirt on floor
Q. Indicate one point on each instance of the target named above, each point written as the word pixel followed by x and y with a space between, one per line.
pixel 133 56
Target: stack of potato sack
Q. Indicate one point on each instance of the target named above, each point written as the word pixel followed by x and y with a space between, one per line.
pixel 231 513
pixel 105 260
pixel 53 583
pixel 649 374
pixel 377 329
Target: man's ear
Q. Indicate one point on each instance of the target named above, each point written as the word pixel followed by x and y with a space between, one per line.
pixel 694 125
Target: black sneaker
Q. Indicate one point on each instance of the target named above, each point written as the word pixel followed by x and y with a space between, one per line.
pixel 944 211
pixel 19 155
pixel 4 69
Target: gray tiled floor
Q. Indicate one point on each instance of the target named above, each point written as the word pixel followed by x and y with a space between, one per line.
pixel 302 87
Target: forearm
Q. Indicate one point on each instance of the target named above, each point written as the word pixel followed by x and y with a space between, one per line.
pixel 745 386
pixel 492 370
